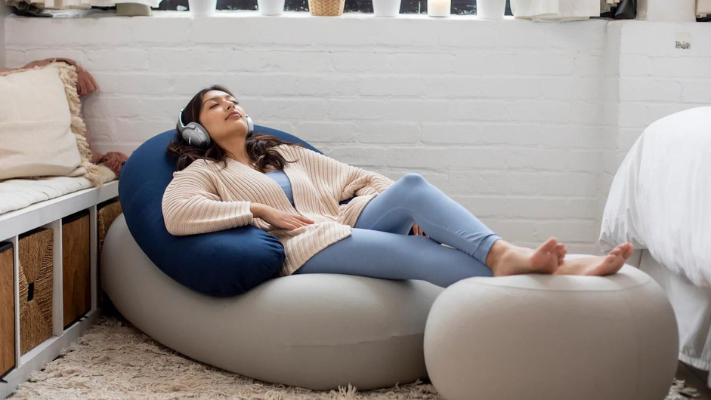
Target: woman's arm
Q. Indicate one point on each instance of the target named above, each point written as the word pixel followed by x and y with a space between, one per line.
pixel 191 206
pixel 361 182
pixel 352 181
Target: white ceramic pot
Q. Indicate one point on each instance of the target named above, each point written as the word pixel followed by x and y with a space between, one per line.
pixel 270 7
pixel 490 9
pixel 202 8
pixel 386 8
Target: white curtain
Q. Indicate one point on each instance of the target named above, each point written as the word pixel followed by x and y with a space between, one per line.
pixel 556 10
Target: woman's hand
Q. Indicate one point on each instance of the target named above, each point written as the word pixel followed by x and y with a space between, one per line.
pixel 283 220
pixel 418 231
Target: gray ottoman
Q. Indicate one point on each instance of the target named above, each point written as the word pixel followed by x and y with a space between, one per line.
pixel 316 331
pixel 553 338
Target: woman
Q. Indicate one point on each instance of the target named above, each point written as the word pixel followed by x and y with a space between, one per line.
pixel 241 179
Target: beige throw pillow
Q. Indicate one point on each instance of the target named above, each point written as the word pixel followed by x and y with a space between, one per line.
pixel 41 130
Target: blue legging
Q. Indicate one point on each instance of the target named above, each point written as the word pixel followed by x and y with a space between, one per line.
pixel 380 247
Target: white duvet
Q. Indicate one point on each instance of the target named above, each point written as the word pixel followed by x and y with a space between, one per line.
pixel 660 198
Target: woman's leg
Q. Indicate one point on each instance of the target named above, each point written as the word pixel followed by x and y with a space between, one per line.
pixel 413 199
pixel 387 255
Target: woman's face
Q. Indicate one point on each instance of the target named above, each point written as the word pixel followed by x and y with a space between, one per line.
pixel 223 118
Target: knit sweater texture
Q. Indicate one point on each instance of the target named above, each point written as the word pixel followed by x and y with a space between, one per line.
pixel 207 197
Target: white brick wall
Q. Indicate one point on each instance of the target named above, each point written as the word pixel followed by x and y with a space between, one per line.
pixel 521 122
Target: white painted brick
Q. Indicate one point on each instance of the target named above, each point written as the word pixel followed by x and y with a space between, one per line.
pixel 570 230
pixel 415 157
pixel 414 63
pixel 635 65
pixel 674 66
pixel 539 111
pixel 360 61
pixel 697 91
pixel 480 134
pixel 388 86
pixel 576 35
pixel 388 132
pixel 289 109
pixel 529 207
pixel 417 110
pixel 359 156
pixel 17 57
pixel 589 65
pixel 573 88
pixel 151 84
pixel 443 86
pixel 512 87
pixel 650 90
pixel 585 112
pixel 109 59
pixel 79 32
pixel 157 31
pixel 484 64
pixel 544 64
pixel 353 110
pixel 480 110
pixel 327 131
pixel 570 137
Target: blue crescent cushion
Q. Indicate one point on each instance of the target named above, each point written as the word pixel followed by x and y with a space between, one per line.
pixel 221 264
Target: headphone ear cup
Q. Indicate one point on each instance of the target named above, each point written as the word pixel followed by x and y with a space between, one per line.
pixel 196 135
pixel 250 125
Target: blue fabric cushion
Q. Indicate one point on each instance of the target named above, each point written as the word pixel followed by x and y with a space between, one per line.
pixel 224 263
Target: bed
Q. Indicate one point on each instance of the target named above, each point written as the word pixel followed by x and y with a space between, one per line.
pixel 660 201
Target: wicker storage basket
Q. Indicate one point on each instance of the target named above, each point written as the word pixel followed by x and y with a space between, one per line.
pixel 76 266
pixel 7 308
pixel 107 213
pixel 36 269
pixel 330 8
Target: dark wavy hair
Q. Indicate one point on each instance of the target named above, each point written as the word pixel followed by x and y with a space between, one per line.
pixel 260 148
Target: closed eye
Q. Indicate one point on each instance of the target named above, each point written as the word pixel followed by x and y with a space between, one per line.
pixel 235 102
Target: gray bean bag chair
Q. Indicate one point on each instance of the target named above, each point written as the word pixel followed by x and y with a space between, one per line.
pixel 317 331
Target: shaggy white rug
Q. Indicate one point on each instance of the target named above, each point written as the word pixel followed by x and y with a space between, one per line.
pixel 114 360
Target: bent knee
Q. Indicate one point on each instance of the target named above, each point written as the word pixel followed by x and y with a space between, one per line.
pixel 413 178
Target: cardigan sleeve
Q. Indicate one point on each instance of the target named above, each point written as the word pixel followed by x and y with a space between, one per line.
pixel 191 205
pixel 350 180
pixel 361 182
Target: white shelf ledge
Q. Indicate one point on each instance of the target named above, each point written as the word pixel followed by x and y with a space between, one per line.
pixel 39 214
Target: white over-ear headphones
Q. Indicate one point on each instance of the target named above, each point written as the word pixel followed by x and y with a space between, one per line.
pixel 196 135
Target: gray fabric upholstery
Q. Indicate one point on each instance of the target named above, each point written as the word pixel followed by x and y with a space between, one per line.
pixel 316 331
pixel 553 337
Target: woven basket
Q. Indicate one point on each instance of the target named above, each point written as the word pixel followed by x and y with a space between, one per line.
pixel 329 8
pixel 107 213
pixel 7 308
pixel 36 269
pixel 76 262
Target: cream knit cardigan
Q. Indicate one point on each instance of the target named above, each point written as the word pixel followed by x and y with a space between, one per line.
pixel 207 197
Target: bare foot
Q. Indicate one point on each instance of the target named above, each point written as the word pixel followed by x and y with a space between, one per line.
pixel 506 259
pixel 597 266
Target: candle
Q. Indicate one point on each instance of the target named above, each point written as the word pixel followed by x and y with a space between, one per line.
pixel 439 8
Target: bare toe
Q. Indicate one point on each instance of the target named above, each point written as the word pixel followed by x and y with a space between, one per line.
pixel 630 249
pixel 545 258
pixel 610 265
